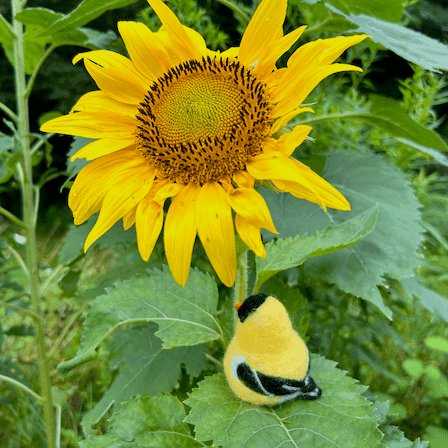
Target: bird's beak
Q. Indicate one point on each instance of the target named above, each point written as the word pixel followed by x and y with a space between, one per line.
pixel 237 305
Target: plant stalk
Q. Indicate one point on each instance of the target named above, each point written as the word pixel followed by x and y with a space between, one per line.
pixel 241 278
pixel 29 218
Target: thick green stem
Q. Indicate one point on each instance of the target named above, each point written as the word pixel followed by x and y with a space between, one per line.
pixel 29 218
pixel 241 278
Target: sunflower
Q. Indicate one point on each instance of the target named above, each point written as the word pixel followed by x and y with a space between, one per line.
pixel 180 121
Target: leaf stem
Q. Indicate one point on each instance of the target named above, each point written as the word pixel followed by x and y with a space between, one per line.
pixel 29 218
pixel 235 9
pixel 20 309
pixel 19 259
pixel 36 70
pixel 20 386
pixel 8 112
pixel 12 217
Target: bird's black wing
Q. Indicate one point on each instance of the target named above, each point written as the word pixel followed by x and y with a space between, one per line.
pixel 272 386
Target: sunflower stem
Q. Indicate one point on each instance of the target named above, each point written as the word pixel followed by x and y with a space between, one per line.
pixel 29 200
pixel 241 278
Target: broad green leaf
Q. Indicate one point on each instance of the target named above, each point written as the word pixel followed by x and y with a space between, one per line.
pixel 365 180
pixel 387 115
pixel 290 252
pixel 409 44
pixel 146 422
pixel 85 13
pixel 429 299
pixel 342 417
pixel 43 17
pixel 185 314
pixel 438 343
pixel 384 9
pixel 144 369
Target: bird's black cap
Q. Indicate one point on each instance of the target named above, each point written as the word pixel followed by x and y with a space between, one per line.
pixel 250 305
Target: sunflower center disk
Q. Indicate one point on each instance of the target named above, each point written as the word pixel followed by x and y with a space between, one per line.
pixel 203 120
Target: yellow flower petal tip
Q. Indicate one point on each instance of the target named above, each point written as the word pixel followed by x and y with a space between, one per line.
pixel 179 121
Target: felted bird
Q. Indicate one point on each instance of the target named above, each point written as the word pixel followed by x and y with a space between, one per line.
pixel 267 362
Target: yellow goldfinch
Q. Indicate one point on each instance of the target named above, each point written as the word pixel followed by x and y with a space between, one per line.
pixel 267 362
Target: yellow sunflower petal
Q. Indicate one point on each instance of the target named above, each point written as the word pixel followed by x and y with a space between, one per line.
pixel 149 221
pixel 120 85
pixel 332 197
pixel 129 219
pixel 292 90
pixel 94 181
pixel 231 53
pixel 243 179
pixel 185 47
pixel 276 49
pixel 180 232
pixel 99 101
pixel 102 147
pixel 215 229
pixel 265 27
pixel 275 165
pixel 250 234
pixel 92 125
pixel 285 119
pixel 146 52
pixel 250 205
pixel 335 46
pixel 120 200
pixel 292 140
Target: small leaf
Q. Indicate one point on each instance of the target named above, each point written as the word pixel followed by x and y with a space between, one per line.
pixel 146 422
pixel 342 417
pixel 85 13
pixel 437 343
pixel 413 367
pixel 290 252
pixel 185 314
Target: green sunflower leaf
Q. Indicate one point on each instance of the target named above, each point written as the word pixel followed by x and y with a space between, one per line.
pixel 409 44
pixel 387 114
pixel 290 252
pixel 145 368
pixel 87 11
pixel 185 315
pixel 383 9
pixel 390 248
pixel 341 417
pixel 146 421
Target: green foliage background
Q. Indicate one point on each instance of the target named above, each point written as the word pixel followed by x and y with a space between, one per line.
pixel 136 359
